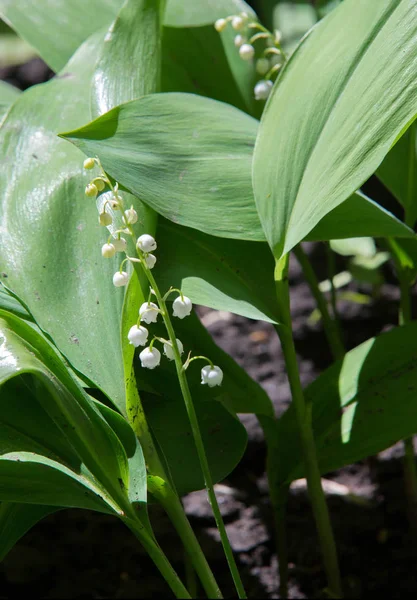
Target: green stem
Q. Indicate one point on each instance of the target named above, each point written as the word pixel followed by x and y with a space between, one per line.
pixel 303 412
pixel 331 268
pixel 192 416
pixel 159 558
pixel 173 507
pixel 330 326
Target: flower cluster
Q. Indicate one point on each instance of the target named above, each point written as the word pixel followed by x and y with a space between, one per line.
pixel 269 56
pixel 110 204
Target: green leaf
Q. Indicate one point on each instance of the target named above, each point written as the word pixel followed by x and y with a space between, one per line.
pixel 203 159
pixel 231 275
pixel 293 20
pixel 128 65
pixel 10 303
pixel 16 519
pixel 361 405
pixel 347 106
pixel 8 94
pixel 56 28
pixel 56 265
pixel 398 172
pixel 194 13
pixel 23 350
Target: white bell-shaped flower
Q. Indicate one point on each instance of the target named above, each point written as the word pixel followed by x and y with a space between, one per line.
pixel 150 358
pixel 120 244
pixel 89 163
pixel 211 376
pixel 220 25
pixel 168 350
pixel 150 260
pixel 246 52
pixel 91 190
pixel 146 243
pixel 108 250
pixel 238 23
pixel 263 89
pixel 182 307
pixel 138 336
pixel 120 279
pixel 239 40
pixel 149 312
pixel 131 216
pixel 105 219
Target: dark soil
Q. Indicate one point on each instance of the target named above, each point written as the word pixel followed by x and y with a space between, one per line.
pixel 80 554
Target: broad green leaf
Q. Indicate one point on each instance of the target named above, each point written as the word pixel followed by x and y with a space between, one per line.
pixel 361 405
pixel 293 20
pixel 56 28
pixel 56 266
pixel 128 65
pixel 8 94
pixel 347 105
pixel 23 350
pixel 194 13
pixel 11 304
pixel 404 254
pixel 16 519
pixel 231 275
pixel 203 160
pixel 398 172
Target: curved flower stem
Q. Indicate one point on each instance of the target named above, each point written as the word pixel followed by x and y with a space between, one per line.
pixel 303 412
pixel 197 436
pixel 330 326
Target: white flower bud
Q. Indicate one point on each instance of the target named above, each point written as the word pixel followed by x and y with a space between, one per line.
pixel 263 89
pixel 239 40
pixel 138 336
pixel 246 52
pixel 91 190
pixel 120 279
pixel 220 25
pixel 105 219
pixel 169 352
pixel 108 250
pixel 181 308
pixel 89 163
pixel 211 376
pixel 150 358
pixel 262 66
pixel 150 260
pixel 120 244
pixel 149 312
pixel 146 243
pixel 238 23
pixel 131 216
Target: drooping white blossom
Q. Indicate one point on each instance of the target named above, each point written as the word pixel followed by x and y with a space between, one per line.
pixel 146 243
pixel 108 250
pixel 120 244
pixel 246 52
pixel 120 279
pixel 181 307
pixel 105 219
pixel 220 25
pixel 131 216
pixel 263 89
pixel 150 358
pixel 150 260
pixel 238 23
pixel 89 163
pixel 168 350
pixel 211 376
pixel 91 190
pixel 138 336
pixel 148 312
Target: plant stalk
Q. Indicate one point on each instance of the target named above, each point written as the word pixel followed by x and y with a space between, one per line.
pixel 330 326
pixel 303 411
pixel 197 437
pixel 159 558
pixel 173 507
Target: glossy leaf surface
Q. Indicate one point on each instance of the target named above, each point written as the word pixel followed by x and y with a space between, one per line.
pixel 347 105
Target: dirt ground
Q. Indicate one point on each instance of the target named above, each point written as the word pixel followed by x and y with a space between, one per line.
pixel 80 554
